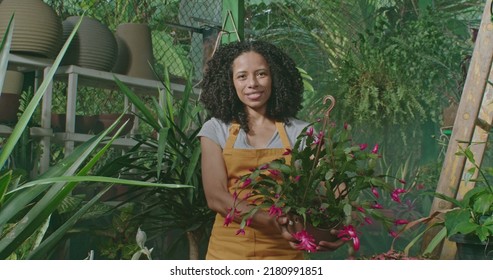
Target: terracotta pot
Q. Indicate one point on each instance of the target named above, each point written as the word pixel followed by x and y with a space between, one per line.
pixel 37 30
pixel 94 45
pixel 9 106
pixel 449 114
pixel 83 124
pixel 10 97
pixel 135 48
pixel 104 121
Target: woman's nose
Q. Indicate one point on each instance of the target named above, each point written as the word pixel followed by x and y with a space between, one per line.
pixel 252 82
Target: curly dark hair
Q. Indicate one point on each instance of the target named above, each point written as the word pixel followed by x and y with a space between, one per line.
pixel 218 92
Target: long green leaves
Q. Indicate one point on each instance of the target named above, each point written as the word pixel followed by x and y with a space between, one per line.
pixel 31 204
pixel 4 52
pixel 31 107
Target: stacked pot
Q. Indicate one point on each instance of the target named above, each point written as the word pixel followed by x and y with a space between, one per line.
pixel 37 28
pixel 93 46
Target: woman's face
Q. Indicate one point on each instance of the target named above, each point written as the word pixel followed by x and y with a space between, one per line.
pixel 252 80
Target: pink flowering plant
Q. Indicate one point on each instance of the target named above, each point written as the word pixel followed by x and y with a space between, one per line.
pixel 330 182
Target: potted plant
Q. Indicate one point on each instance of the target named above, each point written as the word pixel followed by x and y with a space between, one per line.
pixel 470 223
pixel 325 184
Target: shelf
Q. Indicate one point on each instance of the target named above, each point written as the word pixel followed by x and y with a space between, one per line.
pixel 25 63
pixel 6 131
pixel 106 80
pixel 63 137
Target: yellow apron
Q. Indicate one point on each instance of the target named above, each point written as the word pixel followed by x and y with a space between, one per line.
pixel 267 243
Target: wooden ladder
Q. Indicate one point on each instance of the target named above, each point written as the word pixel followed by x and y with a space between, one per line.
pixel 472 125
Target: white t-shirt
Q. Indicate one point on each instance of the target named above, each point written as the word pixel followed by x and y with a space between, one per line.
pixel 218 131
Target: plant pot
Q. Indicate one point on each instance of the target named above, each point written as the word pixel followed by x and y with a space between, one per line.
pixel 449 113
pixel 10 97
pixel 469 247
pixel 83 124
pixel 104 121
pixel 94 45
pixel 135 55
pixel 37 30
pixel 321 234
pixel 318 233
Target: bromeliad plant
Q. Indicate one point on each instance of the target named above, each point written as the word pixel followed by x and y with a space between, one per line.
pixel 330 182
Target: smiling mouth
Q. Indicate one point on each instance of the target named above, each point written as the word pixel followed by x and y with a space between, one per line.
pixel 255 95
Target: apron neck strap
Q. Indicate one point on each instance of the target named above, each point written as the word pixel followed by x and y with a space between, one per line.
pixel 235 129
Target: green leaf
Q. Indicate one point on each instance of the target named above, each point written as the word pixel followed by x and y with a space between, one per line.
pixel 161 148
pixel 437 240
pixel 470 155
pixel 483 233
pixel 4 184
pixel 139 104
pixel 53 240
pixel 100 179
pixel 483 203
pixel 4 53
pixel 33 104
pixel 459 221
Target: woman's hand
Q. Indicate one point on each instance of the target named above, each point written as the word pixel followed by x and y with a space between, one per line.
pixel 331 245
pixel 290 226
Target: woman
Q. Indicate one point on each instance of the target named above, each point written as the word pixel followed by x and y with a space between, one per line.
pixel 253 91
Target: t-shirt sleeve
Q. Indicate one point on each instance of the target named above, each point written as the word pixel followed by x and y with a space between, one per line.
pixel 214 130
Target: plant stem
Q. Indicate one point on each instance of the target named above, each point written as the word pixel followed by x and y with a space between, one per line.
pixel 320 141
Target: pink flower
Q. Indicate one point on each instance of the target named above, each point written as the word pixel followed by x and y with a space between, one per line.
pixel 319 139
pixel 263 167
pixel 395 195
pixel 287 152
pixel 361 209
pixel 230 216
pixel 401 222
pixel 249 221
pixel 402 181
pixel 393 233
pixel 240 232
pixel 375 192
pixel 368 220
pixel 247 182
pixel 306 241
pixel 297 178
pixel 376 206
pixel 309 131
pixel 275 172
pixel 363 146
pixel 275 211
pixel 349 233
pixel 375 149
pixel 346 125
